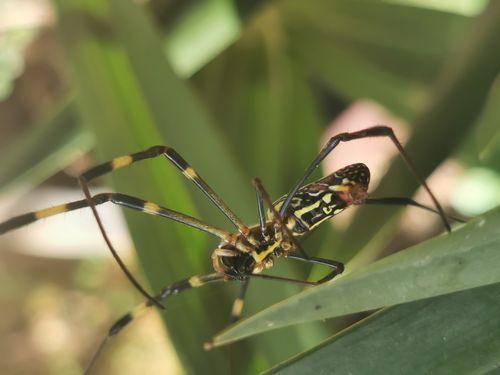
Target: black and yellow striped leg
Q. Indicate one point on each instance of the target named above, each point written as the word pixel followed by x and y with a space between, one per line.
pixel 123 161
pixel 397 201
pixel 119 199
pixel 236 312
pixel 122 200
pixel 31 217
pixel 238 303
pixel 166 292
pixel 171 155
pixel 375 131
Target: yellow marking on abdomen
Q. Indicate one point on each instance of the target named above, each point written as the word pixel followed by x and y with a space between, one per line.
pixel 121 161
pixel 327 210
pixel 195 282
pixel 151 207
pixel 50 211
pixel 237 307
pixel 327 198
pixel 306 209
pixel 277 207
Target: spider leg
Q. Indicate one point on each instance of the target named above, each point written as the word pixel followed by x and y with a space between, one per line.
pixel 122 200
pixel 276 216
pixel 171 155
pixel 260 209
pixel 236 313
pixel 118 199
pixel 375 131
pixel 172 289
pixel 397 201
pixel 238 303
pixel 126 160
pixel 337 269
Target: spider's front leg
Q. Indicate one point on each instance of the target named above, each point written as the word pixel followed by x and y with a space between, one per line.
pixel 375 131
pixel 123 161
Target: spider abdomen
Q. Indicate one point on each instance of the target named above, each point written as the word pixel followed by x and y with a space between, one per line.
pixel 325 198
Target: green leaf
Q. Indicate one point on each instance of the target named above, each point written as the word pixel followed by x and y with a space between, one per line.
pixel 456 333
pixel 206 30
pixel 464 259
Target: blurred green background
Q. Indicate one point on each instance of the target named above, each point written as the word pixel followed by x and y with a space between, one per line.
pixel 240 89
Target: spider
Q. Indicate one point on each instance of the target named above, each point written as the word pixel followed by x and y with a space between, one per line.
pixel 244 254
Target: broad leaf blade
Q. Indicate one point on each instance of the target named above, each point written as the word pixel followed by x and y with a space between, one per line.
pixel 456 333
pixel 467 258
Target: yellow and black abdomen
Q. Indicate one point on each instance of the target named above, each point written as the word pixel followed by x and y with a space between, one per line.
pixel 325 198
pixel 310 208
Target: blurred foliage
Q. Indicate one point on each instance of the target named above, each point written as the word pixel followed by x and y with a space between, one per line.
pixel 36 159
pixel 245 89
pixel 12 43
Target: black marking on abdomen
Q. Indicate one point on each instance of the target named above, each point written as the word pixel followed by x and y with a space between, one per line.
pixel 324 210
